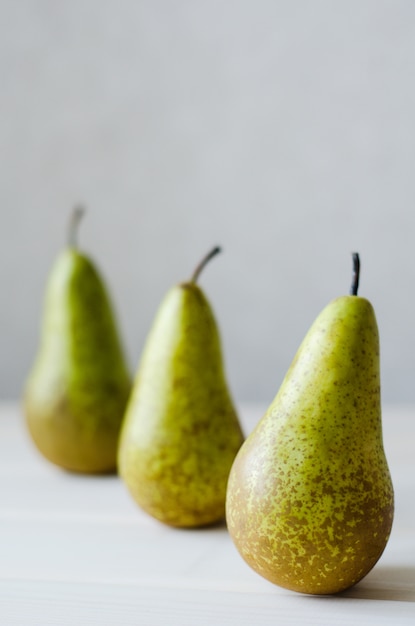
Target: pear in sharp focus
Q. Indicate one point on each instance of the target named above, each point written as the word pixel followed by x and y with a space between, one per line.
pixel 78 388
pixel 310 498
pixel 181 432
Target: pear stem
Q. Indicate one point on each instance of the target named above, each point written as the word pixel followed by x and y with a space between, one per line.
pixel 356 274
pixel 204 262
pixel 73 228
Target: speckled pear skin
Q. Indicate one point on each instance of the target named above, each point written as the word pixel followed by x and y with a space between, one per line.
pixel 181 432
pixel 310 498
pixel 78 389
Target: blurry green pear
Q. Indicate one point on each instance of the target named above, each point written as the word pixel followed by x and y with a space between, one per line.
pixel 310 498
pixel 78 389
pixel 181 431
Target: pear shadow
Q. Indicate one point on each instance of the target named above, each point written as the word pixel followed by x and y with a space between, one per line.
pixel 387 582
pixel 219 525
pixel 107 473
pixel 107 476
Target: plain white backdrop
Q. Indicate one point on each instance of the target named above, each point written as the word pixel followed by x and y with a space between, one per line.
pixel 283 131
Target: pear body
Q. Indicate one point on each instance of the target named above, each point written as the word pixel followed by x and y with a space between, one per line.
pixel 310 498
pixel 78 389
pixel 181 433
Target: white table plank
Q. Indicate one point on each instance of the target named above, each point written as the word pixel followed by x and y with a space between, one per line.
pixel 76 550
pixel 67 604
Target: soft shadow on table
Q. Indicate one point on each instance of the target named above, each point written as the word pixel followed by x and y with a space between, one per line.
pixel 215 527
pixel 385 583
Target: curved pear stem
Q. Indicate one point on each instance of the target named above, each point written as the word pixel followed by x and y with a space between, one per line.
pixel 204 262
pixel 75 218
pixel 356 274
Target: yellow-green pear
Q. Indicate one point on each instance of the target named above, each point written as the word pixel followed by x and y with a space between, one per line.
pixel 181 433
pixel 77 391
pixel 310 498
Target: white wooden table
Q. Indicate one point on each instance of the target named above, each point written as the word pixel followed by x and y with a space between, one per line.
pixel 76 550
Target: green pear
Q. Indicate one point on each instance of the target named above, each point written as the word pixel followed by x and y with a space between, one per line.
pixel 78 389
pixel 310 498
pixel 181 433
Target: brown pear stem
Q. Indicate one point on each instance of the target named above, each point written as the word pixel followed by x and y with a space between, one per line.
pixel 73 227
pixel 204 262
pixel 356 274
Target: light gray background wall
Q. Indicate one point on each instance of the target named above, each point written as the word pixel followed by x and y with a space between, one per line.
pixel 282 130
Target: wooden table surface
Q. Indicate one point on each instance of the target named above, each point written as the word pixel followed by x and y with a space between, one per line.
pixel 76 550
